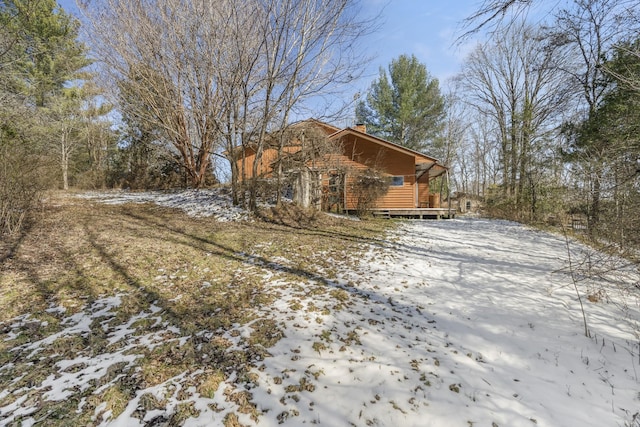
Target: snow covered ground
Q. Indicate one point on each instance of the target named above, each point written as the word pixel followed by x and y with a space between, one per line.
pixel 462 322
pixel 198 203
pixel 465 322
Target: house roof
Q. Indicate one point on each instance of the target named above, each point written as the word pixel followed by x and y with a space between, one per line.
pixel 423 163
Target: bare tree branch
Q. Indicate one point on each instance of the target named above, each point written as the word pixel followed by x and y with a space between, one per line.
pixel 491 14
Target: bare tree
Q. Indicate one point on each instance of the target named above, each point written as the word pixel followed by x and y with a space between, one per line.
pixel 65 114
pixel 221 75
pixel 96 134
pixel 308 156
pixel 280 55
pixel 494 14
pixel 514 82
pixel 589 30
pixel 161 59
pixel 478 156
pixel 309 51
pixel 449 145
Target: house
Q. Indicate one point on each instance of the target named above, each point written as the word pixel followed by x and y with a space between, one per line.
pixel 323 164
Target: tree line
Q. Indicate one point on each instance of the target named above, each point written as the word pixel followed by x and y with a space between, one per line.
pixel 207 78
pixel 553 129
pixel 541 123
pixel 182 86
pixel 51 126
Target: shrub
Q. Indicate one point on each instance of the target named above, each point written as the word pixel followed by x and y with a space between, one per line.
pixel 24 173
pixel 367 186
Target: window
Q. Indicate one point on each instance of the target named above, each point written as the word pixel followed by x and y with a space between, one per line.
pixel 397 181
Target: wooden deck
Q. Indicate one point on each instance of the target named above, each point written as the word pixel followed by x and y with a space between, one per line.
pixel 417 213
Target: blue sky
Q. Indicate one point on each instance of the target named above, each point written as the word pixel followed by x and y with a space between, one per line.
pixel 427 29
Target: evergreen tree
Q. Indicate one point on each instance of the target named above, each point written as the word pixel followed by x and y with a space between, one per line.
pixel 51 52
pixel 610 137
pixel 404 106
pixel 53 72
pixel 39 56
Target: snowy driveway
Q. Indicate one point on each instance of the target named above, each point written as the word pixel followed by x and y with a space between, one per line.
pixel 458 323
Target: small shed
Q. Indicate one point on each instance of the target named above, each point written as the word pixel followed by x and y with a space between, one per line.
pixel 466 203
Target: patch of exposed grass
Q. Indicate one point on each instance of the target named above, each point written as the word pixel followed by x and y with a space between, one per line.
pixel 326 336
pixel 265 333
pixel 340 295
pixel 242 399
pixel 209 382
pixel 304 385
pixel 295 305
pixel 319 346
pixel 183 412
pixel 231 420
pixel 166 361
pixel 115 400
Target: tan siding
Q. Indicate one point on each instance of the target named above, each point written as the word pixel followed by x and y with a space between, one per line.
pixel 370 154
pixel 350 199
pixel 244 166
pixel 396 197
pixel 363 153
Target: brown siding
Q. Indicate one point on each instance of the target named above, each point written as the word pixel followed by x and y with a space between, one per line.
pixel 362 153
pixel 269 156
pixel 423 191
pixel 396 197
pixel 263 166
pixel 370 154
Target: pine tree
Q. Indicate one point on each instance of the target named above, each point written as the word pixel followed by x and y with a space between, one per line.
pixel 610 137
pixel 41 60
pixel 404 106
pixel 51 52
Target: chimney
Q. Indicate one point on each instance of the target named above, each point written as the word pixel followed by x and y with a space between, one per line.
pixel 361 127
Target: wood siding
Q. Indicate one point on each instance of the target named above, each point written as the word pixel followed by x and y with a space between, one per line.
pixel 269 156
pixel 399 197
pixel 362 154
pixel 423 191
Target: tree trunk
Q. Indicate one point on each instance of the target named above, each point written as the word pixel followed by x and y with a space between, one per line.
pixel 594 214
pixel 64 160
